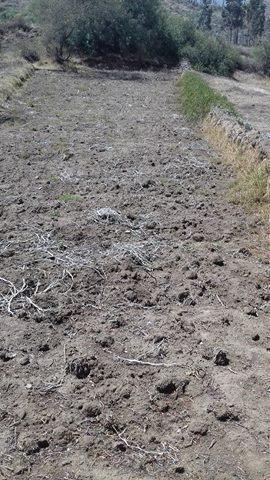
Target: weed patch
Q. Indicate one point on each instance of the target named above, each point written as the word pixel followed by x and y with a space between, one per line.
pixel 68 197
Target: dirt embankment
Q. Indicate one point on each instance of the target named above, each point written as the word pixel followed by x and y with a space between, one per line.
pixel 240 143
pixel 250 93
pixel 134 302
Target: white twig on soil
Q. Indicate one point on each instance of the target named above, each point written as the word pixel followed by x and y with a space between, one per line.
pixel 34 304
pixel 14 292
pixel 151 364
pixel 108 215
pixel 220 301
pixel 137 447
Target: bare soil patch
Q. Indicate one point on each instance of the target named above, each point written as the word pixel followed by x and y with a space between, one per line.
pixel 250 93
pixel 134 305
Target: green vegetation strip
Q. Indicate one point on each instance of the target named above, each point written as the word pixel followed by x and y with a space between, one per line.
pixel 197 98
pixel 68 197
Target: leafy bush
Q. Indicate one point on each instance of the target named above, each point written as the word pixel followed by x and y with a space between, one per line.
pixel 30 53
pixel 102 27
pixel 7 14
pixel 211 55
pixel 197 98
pixel 205 53
pixel 141 28
pixel 262 56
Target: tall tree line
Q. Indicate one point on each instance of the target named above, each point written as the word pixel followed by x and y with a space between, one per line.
pixel 237 15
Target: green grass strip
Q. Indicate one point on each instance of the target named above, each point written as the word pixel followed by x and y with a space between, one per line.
pixel 197 98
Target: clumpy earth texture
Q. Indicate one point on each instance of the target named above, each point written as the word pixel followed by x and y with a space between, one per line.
pixel 134 297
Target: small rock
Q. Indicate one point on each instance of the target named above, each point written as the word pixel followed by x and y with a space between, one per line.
pixel 120 447
pixel 25 360
pixel 6 356
pixel 148 183
pixel 31 446
pixel 42 444
pixel 44 347
pixel 221 359
pixel 225 414
pixel 19 467
pixel 150 225
pixel 159 338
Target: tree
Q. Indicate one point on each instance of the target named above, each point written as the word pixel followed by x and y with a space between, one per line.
pixel 205 19
pixel 233 15
pixel 104 27
pixel 255 19
pixel 59 19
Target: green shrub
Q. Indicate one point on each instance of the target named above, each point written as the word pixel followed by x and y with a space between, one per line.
pixel 139 28
pixel 205 53
pixel 7 14
pixel 69 197
pixel 211 55
pixel 197 98
pixel 102 27
pixel 262 56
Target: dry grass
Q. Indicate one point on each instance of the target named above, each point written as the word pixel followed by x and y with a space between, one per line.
pixel 13 78
pixel 252 185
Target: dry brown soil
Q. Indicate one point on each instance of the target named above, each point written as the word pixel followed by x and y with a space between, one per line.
pixel 134 303
pixel 250 93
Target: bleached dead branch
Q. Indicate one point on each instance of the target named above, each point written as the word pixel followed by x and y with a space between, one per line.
pixel 151 364
pixel 23 296
pixel 142 253
pixel 155 453
pixel 12 294
pixel 108 215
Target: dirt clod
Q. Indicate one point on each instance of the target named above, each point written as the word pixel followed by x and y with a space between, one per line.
pixel 198 237
pixel 91 409
pixel 226 414
pixel 105 341
pixel 179 469
pixel 198 427
pixel 166 386
pixel 183 295
pixel 221 359
pixel 80 367
pixel 218 260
